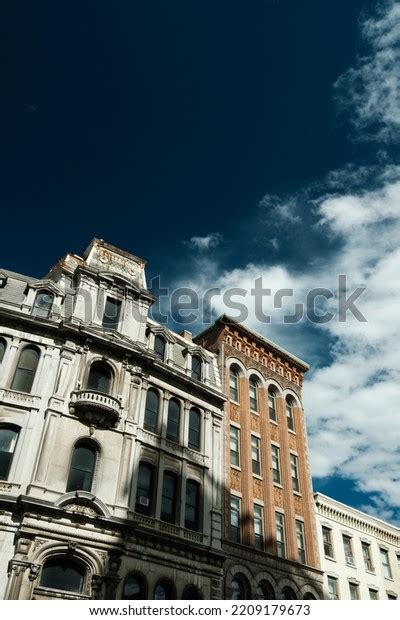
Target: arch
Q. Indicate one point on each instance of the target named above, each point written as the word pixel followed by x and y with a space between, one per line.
pixel 239 588
pixel 83 498
pixel 159 347
pixel 191 593
pixel 265 591
pixel 287 594
pixel 309 596
pixel 309 592
pixel 134 587
pixel 173 421
pixel 3 346
pixel 164 590
pixel 82 467
pixel 100 377
pixel 43 304
pixel 197 368
pixel 8 441
pixel 151 412
pixel 194 428
pixel 145 488
pixel 25 371
pixel 62 573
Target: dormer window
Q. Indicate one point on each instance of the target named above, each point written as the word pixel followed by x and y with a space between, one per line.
pixel 159 347
pixel 43 304
pixel 196 368
pixel 112 313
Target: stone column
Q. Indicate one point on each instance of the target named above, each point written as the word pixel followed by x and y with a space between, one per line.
pixel 46 448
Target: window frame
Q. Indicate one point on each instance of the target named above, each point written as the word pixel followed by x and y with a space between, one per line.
pixel 109 322
pixel 294 472
pixel 16 430
pixel 258 520
pixel 327 543
pixel 108 376
pixel 289 405
pixel 253 395
pixel 196 506
pixel 60 559
pixel 160 354
pixel 333 595
pixel 348 550
pixel 276 459
pixel 235 525
pixel 143 586
pixel 384 553
pixel 42 311
pixel 170 436
pixel 367 556
pixel 32 373
pixel 234 454
pixel 3 349
pixel 272 410
pixel 173 515
pixel 301 541
pixel 255 451
pixel 280 536
pixel 144 492
pixel 149 413
pixel 197 374
pixel 234 390
pixel 191 430
pixel 94 449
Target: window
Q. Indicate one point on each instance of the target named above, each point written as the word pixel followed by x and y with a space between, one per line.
pixel 280 535
pixel 258 526
pixel 238 589
pixel 196 368
pixel 144 489
pixel 333 588
pixel 391 597
pixel 135 587
pixel 112 312
pixel 398 559
pixel 164 591
pixel 174 414
pixel 253 392
pixel 272 404
pixel 366 550
pixel 100 378
pixel 2 350
pixel 82 468
pixel 234 384
pixel 43 304
pixel 301 548
pixel 26 370
pixel 63 574
pixel 354 592
pixel 373 594
pixel 294 468
pixel 194 429
pixel 8 441
pixel 235 442
pixel 288 594
pixel 255 455
pixel 276 464
pixel 327 540
pixel 151 410
pixel 289 413
pixel 169 497
pixel 191 593
pixel 348 550
pixel 192 505
pixel 265 591
pixel 235 519
pixel 159 347
pixel 387 571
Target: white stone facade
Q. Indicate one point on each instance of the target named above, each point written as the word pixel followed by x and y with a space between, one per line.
pixel 360 554
pixel 114 542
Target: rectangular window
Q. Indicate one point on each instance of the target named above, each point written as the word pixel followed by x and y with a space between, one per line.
pixel 112 312
pixel 234 385
pixel 333 588
pixel 280 535
pixel 235 442
pixel 235 519
pixel 169 496
pixel 258 526
pixel 373 594
pixel 301 548
pixel 366 549
pixel 253 396
pixel 327 539
pixel 348 550
pixel 354 592
pixel 387 571
pixel 272 406
pixel 289 415
pixel 276 464
pixel 294 468
pixel 255 455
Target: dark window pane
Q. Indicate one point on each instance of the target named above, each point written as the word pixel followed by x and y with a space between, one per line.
pixel 100 377
pixel 112 311
pixel 144 490
pixel 62 574
pixel 192 505
pixel 159 347
pixel 196 368
pixel 163 591
pixel 237 590
pixel 8 439
pixel 168 500
pixel 272 405
pixel 194 429
pixel 234 385
pixel 191 593
pixel 82 469
pixel 174 411
pixel 43 304
pixel 134 588
pixel 26 370
pixel 2 350
pixel 151 411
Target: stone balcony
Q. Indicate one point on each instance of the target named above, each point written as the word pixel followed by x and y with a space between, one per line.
pixel 96 408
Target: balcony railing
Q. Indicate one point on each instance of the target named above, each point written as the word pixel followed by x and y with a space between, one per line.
pixel 97 407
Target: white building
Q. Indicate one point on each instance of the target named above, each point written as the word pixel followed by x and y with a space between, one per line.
pixel 360 554
pixel 110 440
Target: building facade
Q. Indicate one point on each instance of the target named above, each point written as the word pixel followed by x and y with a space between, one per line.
pixel 360 554
pixel 269 533
pixel 111 440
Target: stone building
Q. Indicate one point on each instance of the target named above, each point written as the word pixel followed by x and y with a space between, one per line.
pixel 269 524
pixel 360 554
pixel 110 440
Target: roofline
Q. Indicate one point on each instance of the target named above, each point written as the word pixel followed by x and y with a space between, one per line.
pixel 225 319
pixel 360 512
pixel 113 248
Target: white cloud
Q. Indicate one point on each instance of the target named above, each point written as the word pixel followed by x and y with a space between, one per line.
pixel 205 243
pixel 279 211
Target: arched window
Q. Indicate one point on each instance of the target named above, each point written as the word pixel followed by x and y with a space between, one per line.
pixel 309 597
pixel 234 384
pixel 63 574
pixel 164 591
pixel 159 347
pixel 43 304
pixel 174 414
pixel 194 428
pixel 26 370
pixel 8 441
pixel 135 587
pixel 151 410
pixel 169 497
pixel 290 413
pixel 265 591
pixel 82 467
pixel 196 368
pixel 2 350
pixel 191 593
pixel 100 378
pixel 288 594
pixel 272 404
pixel 253 393
pixel 144 489
pixel 192 505
pixel 239 588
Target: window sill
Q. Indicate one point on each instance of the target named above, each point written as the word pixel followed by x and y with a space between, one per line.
pixel 236 467
pixel 274 422
pixel 291 432
pixel 278 485
pixel 257 476
pixel 351 566
pixel 297 493
pixel 234 402
pixel 328 557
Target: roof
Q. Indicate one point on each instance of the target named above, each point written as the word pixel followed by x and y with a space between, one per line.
pixel 18 276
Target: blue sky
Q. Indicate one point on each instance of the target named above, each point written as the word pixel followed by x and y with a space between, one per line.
pixel 226 141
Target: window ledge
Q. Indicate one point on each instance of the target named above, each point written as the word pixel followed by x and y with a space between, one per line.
pixel 328 557
pixel 236 467
pixel 257 476
pixel 278 485
pixel 273 422
pixel 291 431
pixel 297 493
